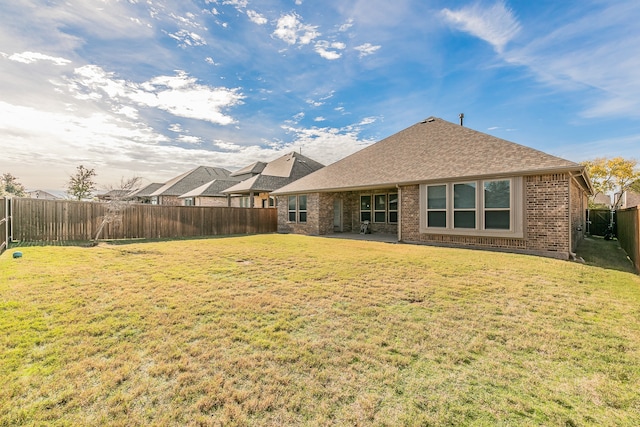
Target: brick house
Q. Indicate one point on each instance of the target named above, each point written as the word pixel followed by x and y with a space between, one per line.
pixel 443 184
pixel 267 177
pixel 169 192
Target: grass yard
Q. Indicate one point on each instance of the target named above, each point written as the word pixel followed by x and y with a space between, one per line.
pixel 292 330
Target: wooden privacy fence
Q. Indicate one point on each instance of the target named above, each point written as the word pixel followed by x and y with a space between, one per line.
pixel 629 233
pixel 64 220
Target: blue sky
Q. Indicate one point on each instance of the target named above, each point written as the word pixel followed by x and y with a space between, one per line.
pixel 153 88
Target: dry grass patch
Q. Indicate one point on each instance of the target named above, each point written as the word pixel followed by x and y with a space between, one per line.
pixel 293 330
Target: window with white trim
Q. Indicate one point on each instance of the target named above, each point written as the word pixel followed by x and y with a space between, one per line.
pixel 437 206
pixel 393 208
pixel 380 208
pixel 365 208
pixel 298 208
pixel 492 207
pixel 464 205
pixel 497 205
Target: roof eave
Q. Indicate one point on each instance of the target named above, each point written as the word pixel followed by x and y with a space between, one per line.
pixel 382 185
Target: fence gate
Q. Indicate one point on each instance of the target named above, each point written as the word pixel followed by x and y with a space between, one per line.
pixel 600 220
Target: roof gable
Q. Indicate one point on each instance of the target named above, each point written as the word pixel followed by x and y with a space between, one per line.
pixel 278 173
pixel 211 189
pixel 190 180
pixel 430 150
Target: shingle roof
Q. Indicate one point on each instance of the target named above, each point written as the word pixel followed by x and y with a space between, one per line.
pixel 146 191
pixel 253 168
pixel 211 189
pixel 190 180
pixel 278 173
pixel 431 150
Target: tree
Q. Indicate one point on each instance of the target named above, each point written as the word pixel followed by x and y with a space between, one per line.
pixel 118 202
pixel 9 185
pixel 615 175
pixel 81 185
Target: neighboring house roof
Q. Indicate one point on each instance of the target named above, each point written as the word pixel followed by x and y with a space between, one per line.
pixel 602 199
pixel 146 191
pixel 631 199
pixel 253 169
pixel 278 173
pixel 41 194
pixel 211 189
pixel 431 150
pixel 113 194
pixel 191 180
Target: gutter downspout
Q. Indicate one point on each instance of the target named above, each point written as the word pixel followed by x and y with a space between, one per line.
pixel 399 213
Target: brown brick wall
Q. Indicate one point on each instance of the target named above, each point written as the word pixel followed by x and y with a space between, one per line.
pixel 547 213
pixel 311 227
pixel 211 201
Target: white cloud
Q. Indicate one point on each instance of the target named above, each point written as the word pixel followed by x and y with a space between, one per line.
pixel 256 18
pixel 344 27
pixel 367 49
pixel 31 57
pixel 176 127
pixel 209 60
pixel 327 145
pixel 187 39
pixel 319 119
pixel 291 30
pixel 322 48
pixel 189 139
pixel 496 24
pixel 179 95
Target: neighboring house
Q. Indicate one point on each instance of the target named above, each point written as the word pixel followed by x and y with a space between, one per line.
pixel 255 191
pixel 602 201
pixel 143 195
pixel 209 194
pixel 629 199
pixel 443 184
pixel 113 195
pixel 249 171
pixel 41 194
pixel 168 194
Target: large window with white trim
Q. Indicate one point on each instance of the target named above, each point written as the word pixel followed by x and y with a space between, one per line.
pixel 437 206
pixel 365 208
pixel 497 205
pixel 481 207
pixel 298 208
pixel 380 208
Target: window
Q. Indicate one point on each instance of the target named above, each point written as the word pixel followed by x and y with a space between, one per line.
pixel 380 208
pixel 245 202
pixel 497 205
pixel 437 206
pixel 481 208
pixel 464 205
pixel 298 208
pixel 393 208
pixel 302 208
pixel 292 208
pixel 365 208
pixel 188 201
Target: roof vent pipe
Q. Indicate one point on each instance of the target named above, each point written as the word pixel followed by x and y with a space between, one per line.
pixel 461 115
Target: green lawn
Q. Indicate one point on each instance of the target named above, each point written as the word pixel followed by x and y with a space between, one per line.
pixel 293 330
